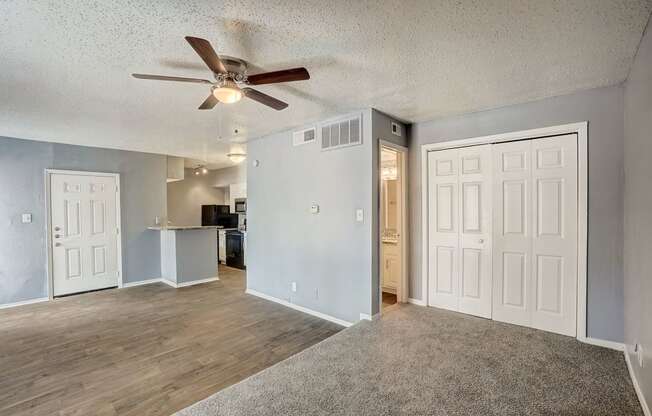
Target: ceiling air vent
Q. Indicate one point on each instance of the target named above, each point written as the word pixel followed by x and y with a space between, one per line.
pixel 341 133
pixel 304 136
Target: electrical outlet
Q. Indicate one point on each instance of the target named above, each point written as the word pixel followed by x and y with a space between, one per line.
pixel 359 215
pixel 294 286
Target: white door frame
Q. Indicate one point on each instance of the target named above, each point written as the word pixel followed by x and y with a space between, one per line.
pixel 581 129
pixel 402 290
pixel 48 222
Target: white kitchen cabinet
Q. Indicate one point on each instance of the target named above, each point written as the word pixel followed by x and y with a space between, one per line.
pixel 222 245
pixel 175 169
pixel 391 267
pixel 236 190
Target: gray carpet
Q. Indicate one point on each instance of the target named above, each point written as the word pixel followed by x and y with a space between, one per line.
pixel 425 361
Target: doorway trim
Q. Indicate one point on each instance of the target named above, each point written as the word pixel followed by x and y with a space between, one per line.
pixel 48 222
pixel 402 290
pixel 581 129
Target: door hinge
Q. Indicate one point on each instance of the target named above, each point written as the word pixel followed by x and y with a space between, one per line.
pixel 117 189
pixel 117 231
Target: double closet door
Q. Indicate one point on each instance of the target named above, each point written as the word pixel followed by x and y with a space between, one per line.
pixel 503 232
pixel 460 229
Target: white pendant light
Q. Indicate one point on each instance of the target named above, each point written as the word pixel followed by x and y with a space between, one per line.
pixel 236 157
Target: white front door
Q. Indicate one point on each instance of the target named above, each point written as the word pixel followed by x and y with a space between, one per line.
pixel 460 229
pixel 84 232
pixel 535 233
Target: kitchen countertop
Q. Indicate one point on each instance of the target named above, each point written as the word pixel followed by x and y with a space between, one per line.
pixel 185 227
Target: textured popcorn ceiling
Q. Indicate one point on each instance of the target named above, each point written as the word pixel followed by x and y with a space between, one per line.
pixel 65 65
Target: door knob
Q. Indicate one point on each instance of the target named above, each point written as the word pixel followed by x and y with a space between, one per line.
pixel 481 241
pixel 57 228
pixel 57 236
pixel 57 244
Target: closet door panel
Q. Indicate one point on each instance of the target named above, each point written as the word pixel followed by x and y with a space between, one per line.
pixel 512 242
pixel 475 234
pixel 554 241
pixel 443 229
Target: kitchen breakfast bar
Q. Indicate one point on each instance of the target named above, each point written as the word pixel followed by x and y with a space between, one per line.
pixel 188 254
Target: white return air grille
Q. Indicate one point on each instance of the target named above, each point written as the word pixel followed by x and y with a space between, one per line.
pixel 304 136
pixel 341 133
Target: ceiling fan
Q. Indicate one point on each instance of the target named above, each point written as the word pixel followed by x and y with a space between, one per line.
pixel 230 73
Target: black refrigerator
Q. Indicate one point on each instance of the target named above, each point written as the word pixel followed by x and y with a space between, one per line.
pixel 214 214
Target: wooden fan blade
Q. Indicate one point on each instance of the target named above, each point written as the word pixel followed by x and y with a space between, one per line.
pixel 209 102
pixel 207 54
pixel 264 99
pixel 166 78
pixel 286 75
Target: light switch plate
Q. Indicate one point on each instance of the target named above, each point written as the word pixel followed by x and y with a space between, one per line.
pixel 294 286
pixel 26 218
pixel 314 209
pixel 359 215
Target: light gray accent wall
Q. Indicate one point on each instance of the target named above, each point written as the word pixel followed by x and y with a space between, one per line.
pixel 327 254
pixel 23 273
pixel 186 197
pixel 196 252
pixel 228 176
pixel 22 246
pixel 381 127
pixel 603 109
pixel 638 213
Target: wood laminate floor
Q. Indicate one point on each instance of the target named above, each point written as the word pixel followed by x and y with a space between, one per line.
pixel 147 350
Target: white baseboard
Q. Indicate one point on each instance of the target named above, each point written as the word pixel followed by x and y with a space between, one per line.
pixel 365 317
pixel 637 387
pixel 618 346
pixel 299 308
pixel 192 283
pixel 416 302
pixel 141 283
pixel 24 302
pixel 198 282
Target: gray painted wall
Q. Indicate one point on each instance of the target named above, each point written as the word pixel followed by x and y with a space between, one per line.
pixel 638 212
pixel 603 109
pixel 186 197
pixel 23 246
pixel 381 127
pixel 196 254
pixel 327 254
pixel 229 176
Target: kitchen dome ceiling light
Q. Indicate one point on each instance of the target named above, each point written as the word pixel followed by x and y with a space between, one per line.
pixel 228 92
pixel 236 157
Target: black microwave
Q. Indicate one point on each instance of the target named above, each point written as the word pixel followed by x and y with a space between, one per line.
pixel 241 205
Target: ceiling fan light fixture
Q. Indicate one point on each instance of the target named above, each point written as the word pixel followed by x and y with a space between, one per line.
pixel 228 93
pixel 236 157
